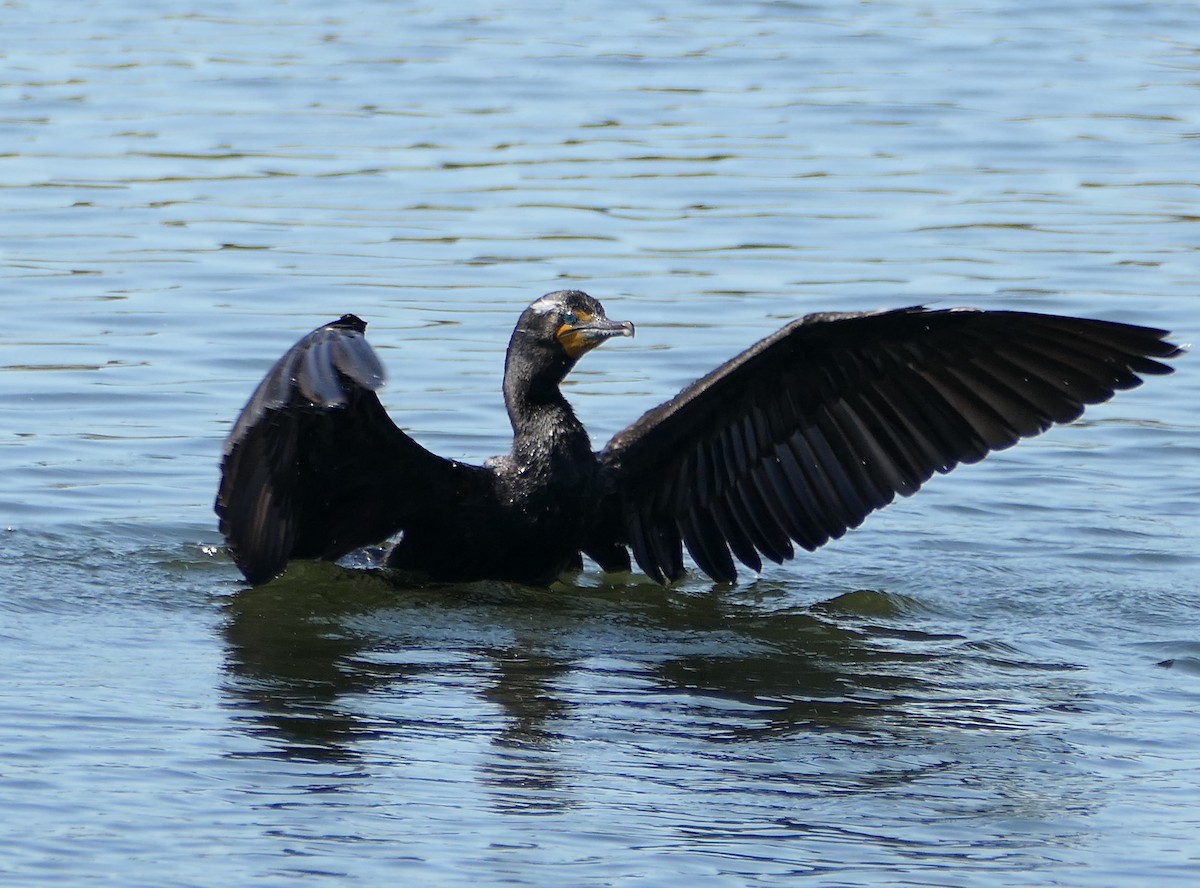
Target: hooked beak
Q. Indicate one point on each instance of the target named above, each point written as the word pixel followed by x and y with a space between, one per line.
pixel 588 332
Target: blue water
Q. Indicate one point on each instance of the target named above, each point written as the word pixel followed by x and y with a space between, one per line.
pixel 996 682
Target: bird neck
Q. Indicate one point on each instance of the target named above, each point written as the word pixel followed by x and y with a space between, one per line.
pixel 547 435
pixel 544 425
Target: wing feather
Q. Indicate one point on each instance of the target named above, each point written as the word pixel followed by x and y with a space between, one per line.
pixel 803 435
pixel 314 467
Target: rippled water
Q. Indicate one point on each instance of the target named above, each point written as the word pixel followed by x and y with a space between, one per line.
pixel 995 682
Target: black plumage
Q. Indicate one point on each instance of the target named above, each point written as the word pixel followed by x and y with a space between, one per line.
pixel 794 441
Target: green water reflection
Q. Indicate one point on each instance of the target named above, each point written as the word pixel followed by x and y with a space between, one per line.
pixel 304 651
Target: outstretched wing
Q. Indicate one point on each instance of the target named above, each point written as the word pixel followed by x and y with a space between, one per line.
pixel 806 433
pixel 314 467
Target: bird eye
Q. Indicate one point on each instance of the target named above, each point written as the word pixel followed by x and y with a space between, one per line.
pixel 570 319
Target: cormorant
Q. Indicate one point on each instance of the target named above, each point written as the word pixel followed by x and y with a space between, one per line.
pixel 793 441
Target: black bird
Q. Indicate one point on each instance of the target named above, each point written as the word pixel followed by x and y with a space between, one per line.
pixel 795 440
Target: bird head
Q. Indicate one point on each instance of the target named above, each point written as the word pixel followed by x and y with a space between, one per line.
pixel 551 335
pixel 571 320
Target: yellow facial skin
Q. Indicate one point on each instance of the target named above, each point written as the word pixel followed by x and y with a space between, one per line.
pixel 575 342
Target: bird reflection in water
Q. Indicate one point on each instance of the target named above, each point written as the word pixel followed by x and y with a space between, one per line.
pixel 325 663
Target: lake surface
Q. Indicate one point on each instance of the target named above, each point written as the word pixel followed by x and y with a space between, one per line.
pixel 996 682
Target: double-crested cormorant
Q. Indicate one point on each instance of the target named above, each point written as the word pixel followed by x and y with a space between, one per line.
pixel 795 440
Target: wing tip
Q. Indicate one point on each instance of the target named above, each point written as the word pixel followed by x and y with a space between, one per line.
pixel 350 322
